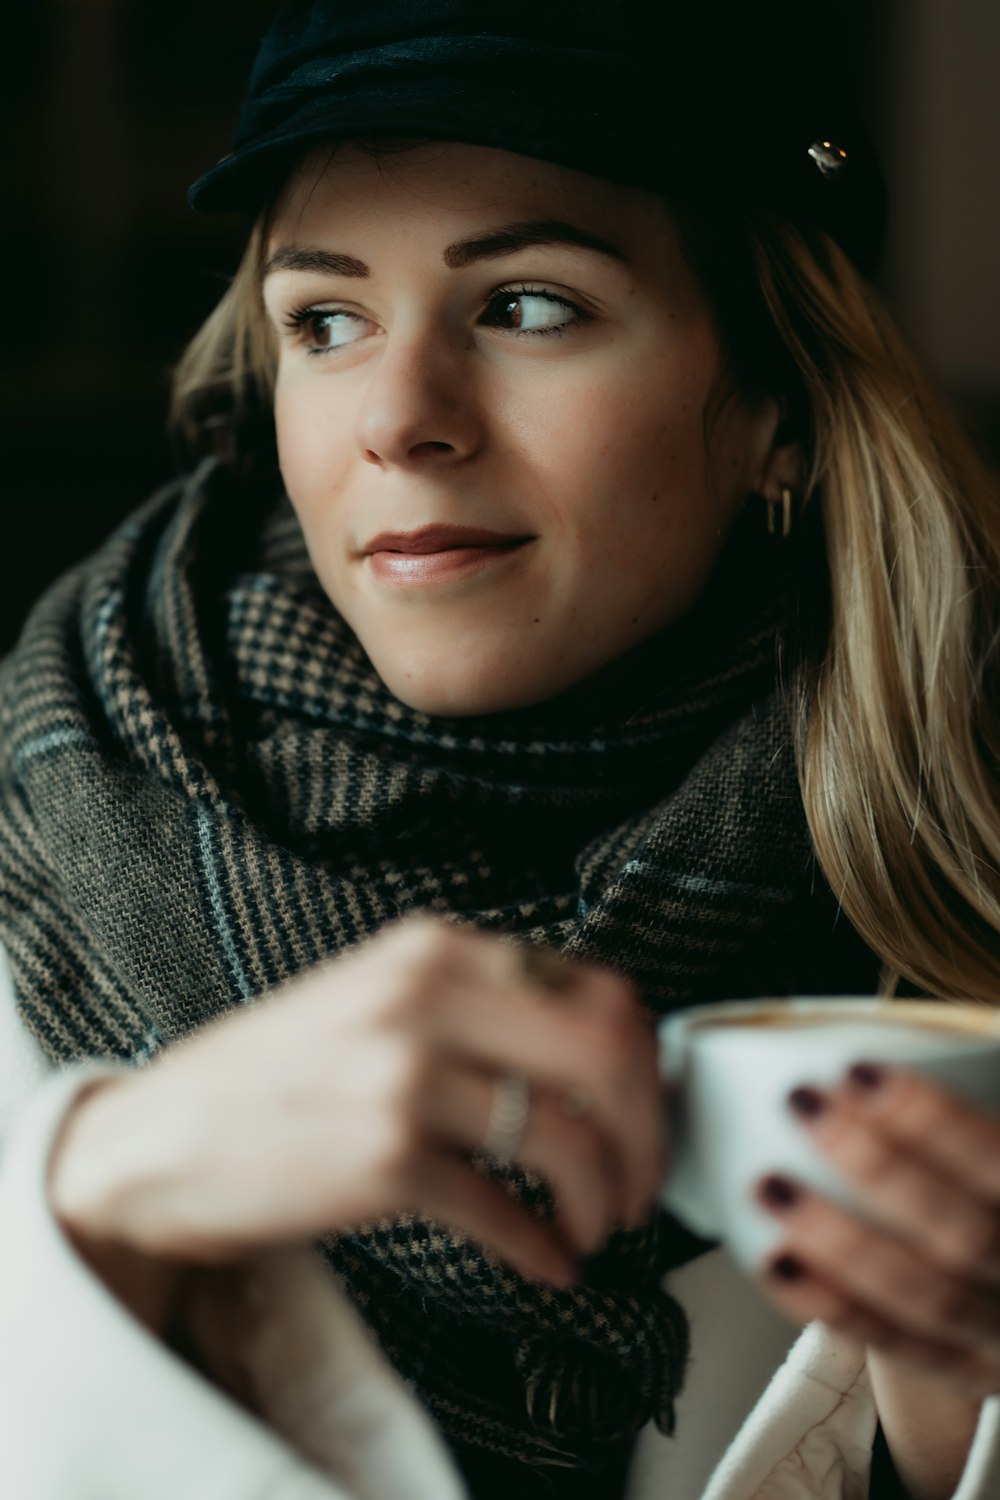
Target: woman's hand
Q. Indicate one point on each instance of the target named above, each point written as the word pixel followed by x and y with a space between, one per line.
pixel 922 1289
pixel 363 1089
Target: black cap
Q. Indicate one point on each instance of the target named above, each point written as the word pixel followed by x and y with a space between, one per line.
pixel 726 103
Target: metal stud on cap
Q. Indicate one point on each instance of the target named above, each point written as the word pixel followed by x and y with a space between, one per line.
pixel 829 157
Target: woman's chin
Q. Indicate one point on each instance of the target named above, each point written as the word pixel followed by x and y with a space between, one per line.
pixel 448 700
pixel 448 692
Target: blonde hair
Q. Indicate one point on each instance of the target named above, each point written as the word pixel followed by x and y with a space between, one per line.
pixel 897 738
pixel 223 384
pixel 897 729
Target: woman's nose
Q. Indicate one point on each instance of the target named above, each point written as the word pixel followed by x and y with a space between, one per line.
pixel 419 405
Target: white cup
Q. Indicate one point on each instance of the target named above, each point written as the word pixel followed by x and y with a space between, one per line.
pixel 730 1068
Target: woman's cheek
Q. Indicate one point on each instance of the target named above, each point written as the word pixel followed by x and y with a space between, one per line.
pixel 311 448
pixel 291 431
pixel 313 458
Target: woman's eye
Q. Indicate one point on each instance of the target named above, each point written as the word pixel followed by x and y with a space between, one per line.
pixel 524 311
pixel 519 310
pixel 322 331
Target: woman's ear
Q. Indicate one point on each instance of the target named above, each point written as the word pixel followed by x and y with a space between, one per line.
pixel 782 457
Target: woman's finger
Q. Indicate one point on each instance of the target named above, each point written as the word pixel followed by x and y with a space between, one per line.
pixel 447 1189
pixel 591 1041
pixel 934 1124
pixel 867 1266
pixel 804 1295
pixel 915 1197
pixel 455 1108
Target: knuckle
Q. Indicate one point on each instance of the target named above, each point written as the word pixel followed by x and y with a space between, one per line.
pixel 415 991
pixel 617 1041
pixel 621 1003
pixel 952 1304
pixel 841 1242
pixel 869 1158
pixel 615 1064
pixel 591 1047
pixel 415 1000
pixel 616 995
pixel 971 1241
pixel 921 1109
pixel 426 940
pixel 394 1004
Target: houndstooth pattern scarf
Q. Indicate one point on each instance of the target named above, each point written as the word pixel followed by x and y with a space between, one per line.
pixel 205 789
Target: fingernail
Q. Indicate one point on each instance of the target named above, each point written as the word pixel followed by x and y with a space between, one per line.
pixel 809 1103
pixel 866 1077
pixel 778 1192
pixel 787 1268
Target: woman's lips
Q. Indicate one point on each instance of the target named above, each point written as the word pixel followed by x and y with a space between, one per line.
pixel 439 551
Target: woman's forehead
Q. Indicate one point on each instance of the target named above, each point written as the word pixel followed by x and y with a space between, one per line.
pixel 465 190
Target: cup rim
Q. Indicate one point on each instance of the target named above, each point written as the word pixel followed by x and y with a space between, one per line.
pixel 692 1018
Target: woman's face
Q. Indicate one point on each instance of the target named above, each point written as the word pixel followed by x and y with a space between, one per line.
pixel 474 339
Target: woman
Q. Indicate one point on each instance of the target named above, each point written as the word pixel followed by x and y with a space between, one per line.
pixel 631 595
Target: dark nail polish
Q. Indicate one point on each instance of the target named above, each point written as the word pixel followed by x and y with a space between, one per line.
pixel 809 1103
pixel 866 1077
pixel 787 1268
pixel 778 1192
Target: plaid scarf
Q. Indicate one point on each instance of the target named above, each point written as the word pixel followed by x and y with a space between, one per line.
pixel 205 789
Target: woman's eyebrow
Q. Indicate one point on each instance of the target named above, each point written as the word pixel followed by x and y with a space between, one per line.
pixel 509 238
pixel 312 258
pixel 506 239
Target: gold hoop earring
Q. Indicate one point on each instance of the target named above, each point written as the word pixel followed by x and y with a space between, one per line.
pixel 786 513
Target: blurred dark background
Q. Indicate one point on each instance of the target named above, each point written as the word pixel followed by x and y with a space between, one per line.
pixel 111 107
